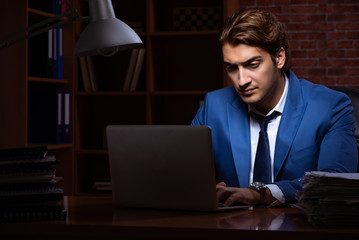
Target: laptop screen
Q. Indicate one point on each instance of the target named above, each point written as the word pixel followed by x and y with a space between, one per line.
pixel 162 166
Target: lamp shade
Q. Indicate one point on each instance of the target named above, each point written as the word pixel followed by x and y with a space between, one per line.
pixel 105 34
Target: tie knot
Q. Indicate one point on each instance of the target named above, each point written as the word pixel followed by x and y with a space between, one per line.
pixel 264 120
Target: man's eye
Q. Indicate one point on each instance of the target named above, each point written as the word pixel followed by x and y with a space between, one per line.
pixel 254 65
pixel 231 68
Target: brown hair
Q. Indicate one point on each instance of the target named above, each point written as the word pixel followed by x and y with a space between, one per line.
pixel 257 28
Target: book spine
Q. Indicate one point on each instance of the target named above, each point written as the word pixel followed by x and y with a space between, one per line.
pixel 84 74
pixel 92 72
pixel 138 69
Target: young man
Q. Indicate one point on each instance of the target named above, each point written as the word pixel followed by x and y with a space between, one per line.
pixel 312 127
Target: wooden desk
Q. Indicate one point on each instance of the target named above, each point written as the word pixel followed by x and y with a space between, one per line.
pixel 96 218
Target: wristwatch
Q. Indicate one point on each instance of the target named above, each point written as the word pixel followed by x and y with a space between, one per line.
pixel 261 188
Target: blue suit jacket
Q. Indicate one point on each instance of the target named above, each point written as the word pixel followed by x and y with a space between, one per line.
pixel 316 132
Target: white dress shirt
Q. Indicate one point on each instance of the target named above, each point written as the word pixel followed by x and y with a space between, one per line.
pixel 272 130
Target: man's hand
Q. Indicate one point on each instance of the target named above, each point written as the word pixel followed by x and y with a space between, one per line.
pixel 230 195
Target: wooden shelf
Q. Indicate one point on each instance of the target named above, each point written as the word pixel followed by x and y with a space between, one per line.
pixel 20 84
pixel 180 68
pixel 47 80
pixel 35 12
pixel 178 93
pixel 53 146
pixel 110 93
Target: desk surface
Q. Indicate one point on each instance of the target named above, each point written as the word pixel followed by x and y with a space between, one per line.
pixel 97 218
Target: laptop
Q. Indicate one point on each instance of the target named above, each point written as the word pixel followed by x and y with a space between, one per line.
pixel 163 167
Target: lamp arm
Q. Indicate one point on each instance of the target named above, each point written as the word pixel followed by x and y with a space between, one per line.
pixel 40 27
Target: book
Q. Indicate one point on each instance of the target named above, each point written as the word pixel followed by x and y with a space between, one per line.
pixel 85 74
pixel 92 72
pixel 138 69
pixel 130 69
pixel 88 73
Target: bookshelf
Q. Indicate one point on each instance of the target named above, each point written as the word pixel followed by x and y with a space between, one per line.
pixel 24 75
pixel 180 67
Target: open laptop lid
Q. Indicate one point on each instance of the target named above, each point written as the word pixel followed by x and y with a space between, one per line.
pixel 167 166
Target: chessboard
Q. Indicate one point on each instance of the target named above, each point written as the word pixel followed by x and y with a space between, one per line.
pixel 196 18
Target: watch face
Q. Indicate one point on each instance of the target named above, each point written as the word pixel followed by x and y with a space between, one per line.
pixel 257 184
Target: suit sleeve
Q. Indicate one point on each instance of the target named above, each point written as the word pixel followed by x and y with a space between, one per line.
pixel 337 147
pixel 199 119
pixel 338 151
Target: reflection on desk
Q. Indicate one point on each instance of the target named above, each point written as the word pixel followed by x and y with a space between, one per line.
pixel 97 218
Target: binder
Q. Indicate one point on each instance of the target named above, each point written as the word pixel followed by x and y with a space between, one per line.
pixel 66 117
pixel 59 116
pixel 50 54
pixel 38 54
pixel 63 6
pixel 55 52
pixel 45 116
pixel 56 6
pixel 59 50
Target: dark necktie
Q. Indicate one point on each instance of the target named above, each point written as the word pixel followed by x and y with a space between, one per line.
pixel 262 165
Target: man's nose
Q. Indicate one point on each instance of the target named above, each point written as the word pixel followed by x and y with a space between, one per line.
pixel 243 78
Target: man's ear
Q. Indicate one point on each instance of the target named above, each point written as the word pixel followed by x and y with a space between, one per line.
pixel 280 58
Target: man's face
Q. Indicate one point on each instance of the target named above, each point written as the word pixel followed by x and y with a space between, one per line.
pixel 255 77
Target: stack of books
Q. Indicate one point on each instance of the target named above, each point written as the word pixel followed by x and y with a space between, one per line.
pixel 27 186
pixel 330 198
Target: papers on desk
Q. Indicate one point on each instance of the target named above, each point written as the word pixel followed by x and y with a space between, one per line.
pixel 28 189
pixel 330 198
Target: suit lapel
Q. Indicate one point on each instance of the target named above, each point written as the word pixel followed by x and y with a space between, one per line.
pixel 238 124
pixel 290 121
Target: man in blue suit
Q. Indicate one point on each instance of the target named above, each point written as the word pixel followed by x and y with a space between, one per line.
pixel 312 128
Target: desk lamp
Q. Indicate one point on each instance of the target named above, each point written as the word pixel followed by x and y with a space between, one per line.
pixel 105 34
